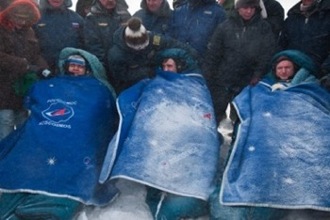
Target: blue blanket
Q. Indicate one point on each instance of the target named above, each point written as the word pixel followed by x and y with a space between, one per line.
pixel 167 137
pixel 60 149
pixel 281 157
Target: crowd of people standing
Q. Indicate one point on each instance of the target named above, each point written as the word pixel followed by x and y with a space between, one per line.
pixel 232 43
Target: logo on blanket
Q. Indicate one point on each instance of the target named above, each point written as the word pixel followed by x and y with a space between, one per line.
pixel 58 112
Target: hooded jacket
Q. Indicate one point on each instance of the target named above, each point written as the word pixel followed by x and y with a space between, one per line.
pixel 18 50
pixel 158 21
pixel 187 63
pixel 57 29
pixel 309 33
pixel 99 27
pixel 306 68
pixel 194 22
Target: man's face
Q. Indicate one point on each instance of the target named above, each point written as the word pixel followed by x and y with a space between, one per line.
pixel 284 69
pixel 56 3
pixel 20 20
pixel 154 5
pixel 108 4
pixel 169 65
pixel 246 12
pixel 221 2
pixel 76 69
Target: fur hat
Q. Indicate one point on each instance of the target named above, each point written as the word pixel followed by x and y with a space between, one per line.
pixel 25 9
pixel 136 35
pixel 247 3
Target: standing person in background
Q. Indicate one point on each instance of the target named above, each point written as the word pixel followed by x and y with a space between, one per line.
pixel 238 54
pixel 132 57
pixel 271 10
pixel 194 22
pixel 155 15
pixel 59 27
pixel 105 18
pixel 19 54
pixel 83 7
pixel 274 15
pixel 307 28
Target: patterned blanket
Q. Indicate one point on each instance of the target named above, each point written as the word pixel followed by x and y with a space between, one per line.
pixel 167 137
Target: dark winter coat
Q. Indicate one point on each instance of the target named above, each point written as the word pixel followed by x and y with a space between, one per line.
pixel 129 66
pixel 194 23
pixel 157 22
pixel 100 25
pixel 238 55
pixel 309 33
pixel 239 51
pixel 274 10
pixel 275 15
pixel 57 29
pixel 18 49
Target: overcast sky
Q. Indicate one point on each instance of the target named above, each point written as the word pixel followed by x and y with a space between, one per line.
pixel 134 5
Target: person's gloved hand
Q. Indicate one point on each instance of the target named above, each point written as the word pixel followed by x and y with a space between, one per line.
pixel 46 73
pixel 325 82
pixel 33 68
pixel 41 73
pixel 254 81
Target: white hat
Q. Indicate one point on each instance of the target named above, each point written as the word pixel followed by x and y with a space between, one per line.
pixel 136 35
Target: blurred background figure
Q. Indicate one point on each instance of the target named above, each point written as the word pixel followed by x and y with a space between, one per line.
pixel 59 27
pixel 307 28
pixel 19 55
pixel 155 15
pixel 105 17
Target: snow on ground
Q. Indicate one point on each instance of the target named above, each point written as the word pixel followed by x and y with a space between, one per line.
pixel 130 205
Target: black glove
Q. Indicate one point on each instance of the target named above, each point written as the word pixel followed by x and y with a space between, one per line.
pixel 34 68
pixel 41 73
pixel 254 81
pixel 46 73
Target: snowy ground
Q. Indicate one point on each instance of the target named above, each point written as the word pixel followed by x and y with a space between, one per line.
pixel 130 205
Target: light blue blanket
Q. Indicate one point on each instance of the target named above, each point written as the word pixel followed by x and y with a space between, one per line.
pixel 281 156
pixel 167 137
